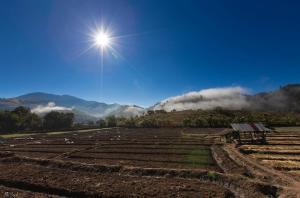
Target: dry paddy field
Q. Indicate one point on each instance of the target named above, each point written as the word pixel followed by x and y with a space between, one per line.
pixel 282 151
pixel 120 162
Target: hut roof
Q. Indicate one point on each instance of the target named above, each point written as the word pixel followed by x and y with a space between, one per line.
pixel 249 127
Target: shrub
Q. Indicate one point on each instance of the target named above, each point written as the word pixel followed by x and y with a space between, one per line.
pixel 111 121
pixel 19 119
pixel 130 122
pixel 101 123
pixel 212 175
pixel 187 122
pixel 58 120
pixel 201 122
pixel 149 123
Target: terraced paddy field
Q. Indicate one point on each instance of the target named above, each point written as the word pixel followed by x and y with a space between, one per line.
pixel 282 151
pixel 120 162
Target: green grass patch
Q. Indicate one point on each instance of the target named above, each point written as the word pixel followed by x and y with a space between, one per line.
pixel 212 175
pixel 16 135
pixel 199 158
pixel 58 132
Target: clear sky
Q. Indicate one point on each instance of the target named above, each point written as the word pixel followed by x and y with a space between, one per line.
pixel 167 47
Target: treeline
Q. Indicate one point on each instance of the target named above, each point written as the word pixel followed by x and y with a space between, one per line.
pixel 223 118
pixel 200 118
pixel 132 122
pixel 21 119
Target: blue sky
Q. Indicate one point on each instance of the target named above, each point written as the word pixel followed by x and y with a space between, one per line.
pixel 169 47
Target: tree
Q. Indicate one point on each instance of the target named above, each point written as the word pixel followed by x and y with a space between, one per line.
pixel 68 119
pixel 239 119
pixel 111 121
pixel 25 119
pixel 130 122
pixel 91 123
pixel 149 122
pixel 34 122
pixel 101 123
pixel 22 115
pixel 58 120
pixel 21 111
pixel 219 121
pixel 8 121
pixel 201 122
pixel 163 122
pixel 187 122
pixel 19 119
pixel 150 112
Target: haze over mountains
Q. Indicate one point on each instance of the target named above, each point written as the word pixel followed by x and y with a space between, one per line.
pixel 42 103
pixel 286 98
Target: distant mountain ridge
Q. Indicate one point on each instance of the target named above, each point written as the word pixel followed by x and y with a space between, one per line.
pixel 286 98
pixel 83 109
pixel 93 108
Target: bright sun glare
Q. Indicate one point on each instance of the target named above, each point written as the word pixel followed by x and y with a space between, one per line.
pixel 102 39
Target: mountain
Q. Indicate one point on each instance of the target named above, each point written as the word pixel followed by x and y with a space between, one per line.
pixel 229 98
pixel 128 111
pixel 286 98
pixel 90 107
pixel 42 103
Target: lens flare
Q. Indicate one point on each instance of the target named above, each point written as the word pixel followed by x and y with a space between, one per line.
pixel 102 39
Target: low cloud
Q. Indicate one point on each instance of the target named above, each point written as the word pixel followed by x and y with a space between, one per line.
pixel 51 106
pixel 134 111
pixel 228 98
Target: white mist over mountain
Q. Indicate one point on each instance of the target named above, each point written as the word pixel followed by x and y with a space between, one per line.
pixel 51 106
pixel 286 98
pixel 228 97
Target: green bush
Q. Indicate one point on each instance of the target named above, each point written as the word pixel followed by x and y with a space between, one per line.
pixel 101 123
pixel 131 122
pixel 111 121
pixel 201 122
pixel 149 123
pixel 212 175
pixel 19 119
pixel 187 122
pixel 58 120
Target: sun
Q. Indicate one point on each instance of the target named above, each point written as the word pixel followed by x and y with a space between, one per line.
pixel 102 39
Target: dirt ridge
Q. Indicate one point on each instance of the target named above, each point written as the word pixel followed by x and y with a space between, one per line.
pixel 235 184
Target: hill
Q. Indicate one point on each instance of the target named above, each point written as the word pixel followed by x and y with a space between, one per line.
pixel 84 110
pixel 285 99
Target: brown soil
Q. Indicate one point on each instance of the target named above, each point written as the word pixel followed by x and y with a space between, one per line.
pixel 6 192
pixel 64 182
pixel 122 162
pixel 227 164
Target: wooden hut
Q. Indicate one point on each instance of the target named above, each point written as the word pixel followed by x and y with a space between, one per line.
pixel 250 133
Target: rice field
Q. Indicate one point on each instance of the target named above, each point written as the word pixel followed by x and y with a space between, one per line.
pixel 282 151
